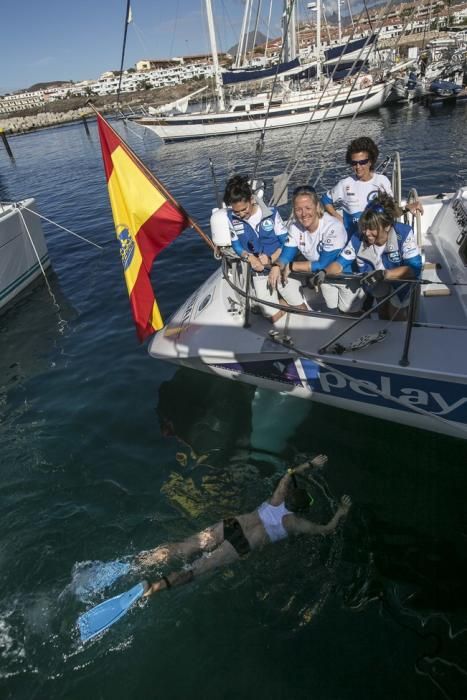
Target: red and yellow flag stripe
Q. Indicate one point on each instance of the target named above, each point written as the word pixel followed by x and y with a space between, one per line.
pixel 145 219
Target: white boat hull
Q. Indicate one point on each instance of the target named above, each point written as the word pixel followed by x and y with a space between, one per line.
pixel 292 113
pixel 19 263
pixel 208 333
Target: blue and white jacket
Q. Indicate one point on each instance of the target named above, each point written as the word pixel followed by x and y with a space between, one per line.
pixel 400 249
pixel 266 236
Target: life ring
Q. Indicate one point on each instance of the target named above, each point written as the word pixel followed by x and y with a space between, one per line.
pixel 366 82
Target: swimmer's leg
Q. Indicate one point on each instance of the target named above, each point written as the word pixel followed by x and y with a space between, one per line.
pixel 204 541
pixel 223 555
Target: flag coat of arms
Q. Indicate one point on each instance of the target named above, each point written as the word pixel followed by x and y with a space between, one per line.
pixel 146 220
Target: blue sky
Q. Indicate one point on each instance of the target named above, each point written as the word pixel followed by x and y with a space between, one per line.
pixel 69 40
pixel 76 40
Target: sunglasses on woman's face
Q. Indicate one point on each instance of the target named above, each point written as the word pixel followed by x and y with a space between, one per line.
pixel 359 162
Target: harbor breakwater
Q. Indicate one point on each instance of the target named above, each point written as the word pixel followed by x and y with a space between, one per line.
pixel 74 109
pixel 41 120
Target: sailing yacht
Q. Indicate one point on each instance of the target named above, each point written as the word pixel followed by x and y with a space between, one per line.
pixel 411 372
pixel 288 107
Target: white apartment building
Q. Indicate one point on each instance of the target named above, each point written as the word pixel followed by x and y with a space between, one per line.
pixel 23 100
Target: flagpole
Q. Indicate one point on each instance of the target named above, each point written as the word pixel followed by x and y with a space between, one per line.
pixel 157 182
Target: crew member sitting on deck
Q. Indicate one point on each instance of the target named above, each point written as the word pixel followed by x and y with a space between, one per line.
pixel 352 194
pixel 233 538
pixel 385 251
pixel 315 240
pixel 258 234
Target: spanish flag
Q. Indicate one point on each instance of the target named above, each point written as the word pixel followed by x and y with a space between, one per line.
pixel 146 219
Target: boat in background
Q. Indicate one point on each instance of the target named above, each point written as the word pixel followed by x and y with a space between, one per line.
pixel 251 114
pixel 285 105
pixel 24 255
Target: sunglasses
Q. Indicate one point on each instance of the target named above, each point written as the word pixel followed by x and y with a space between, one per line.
pixel 360 162
pixel 303 189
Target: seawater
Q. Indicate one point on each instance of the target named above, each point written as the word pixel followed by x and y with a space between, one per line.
pixel 105 452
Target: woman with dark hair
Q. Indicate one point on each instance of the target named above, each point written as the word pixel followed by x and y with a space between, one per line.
pixel 258 231
pixel 258 234
pixel 315 241
pixel 352 194
pixel 387 252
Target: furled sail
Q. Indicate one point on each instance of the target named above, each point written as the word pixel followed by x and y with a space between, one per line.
pixel 241 76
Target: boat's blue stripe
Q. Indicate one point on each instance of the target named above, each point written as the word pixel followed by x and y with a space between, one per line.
pixel 19 280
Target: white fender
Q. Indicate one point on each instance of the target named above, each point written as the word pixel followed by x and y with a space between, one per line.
pixel 220 228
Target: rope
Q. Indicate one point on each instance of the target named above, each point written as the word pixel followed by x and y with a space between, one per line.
pixel 77 235
pixel 349 125
pixel 260 141
pixel 323 91
pixel 62 323
pixel 355 80
pixel 126 122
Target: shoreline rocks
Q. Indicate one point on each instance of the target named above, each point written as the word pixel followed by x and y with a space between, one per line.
pixel 42 120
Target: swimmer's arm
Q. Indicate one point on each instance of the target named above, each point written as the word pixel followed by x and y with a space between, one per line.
pixel 301 526
pixel 282 487
pixel 280 493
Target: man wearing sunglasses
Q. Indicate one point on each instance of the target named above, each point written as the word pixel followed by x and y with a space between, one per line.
pixel 353 194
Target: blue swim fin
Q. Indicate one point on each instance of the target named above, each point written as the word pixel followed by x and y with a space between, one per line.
pixel 102 616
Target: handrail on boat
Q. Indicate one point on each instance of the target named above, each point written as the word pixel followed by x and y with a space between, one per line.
pixel 413 197
pixel 229 260
pixel 397 177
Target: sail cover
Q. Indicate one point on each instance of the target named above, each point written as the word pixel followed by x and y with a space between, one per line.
pixel 240 76
pixel 350 47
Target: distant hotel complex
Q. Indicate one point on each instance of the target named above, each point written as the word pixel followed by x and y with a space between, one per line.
pixel 425 19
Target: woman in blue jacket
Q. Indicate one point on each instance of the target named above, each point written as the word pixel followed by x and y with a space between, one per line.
pixel 386 252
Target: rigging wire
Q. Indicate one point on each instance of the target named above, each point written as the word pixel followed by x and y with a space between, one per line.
pixel 355 80
pixel 260 141
pixel 323 91
pixel 174 27
pixel 61 321
pixel 258 9
pixel 349 125
pixel 267 30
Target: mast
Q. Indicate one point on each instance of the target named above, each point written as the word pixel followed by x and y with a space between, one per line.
pixel 247 32
pixel 289 32
pixel 350 13
pixel 238 58
pixel 318 39
pixel 339 24
pixel 316 7
pixel 215 61
pixel 267 33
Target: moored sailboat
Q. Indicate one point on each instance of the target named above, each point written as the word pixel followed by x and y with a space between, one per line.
pixel 281 108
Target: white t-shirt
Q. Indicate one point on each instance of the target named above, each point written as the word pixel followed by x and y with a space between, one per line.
pixel 329 236
pixel 352 196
